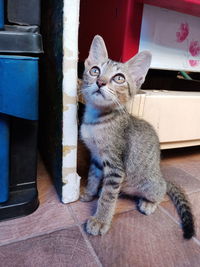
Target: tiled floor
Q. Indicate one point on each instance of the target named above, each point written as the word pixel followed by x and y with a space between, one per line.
pixel 54 235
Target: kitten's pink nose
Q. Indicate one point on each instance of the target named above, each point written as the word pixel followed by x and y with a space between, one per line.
pixel 101 82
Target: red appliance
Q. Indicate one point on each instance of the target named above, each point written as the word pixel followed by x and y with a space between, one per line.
pixel 119 23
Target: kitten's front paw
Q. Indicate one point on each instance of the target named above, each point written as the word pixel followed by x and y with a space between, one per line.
pixel 95 227
pixel 84 197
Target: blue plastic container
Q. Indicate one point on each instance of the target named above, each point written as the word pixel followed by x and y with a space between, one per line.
pixel 19 98
pixel 1 14
pixel 19 86
pixel 4 157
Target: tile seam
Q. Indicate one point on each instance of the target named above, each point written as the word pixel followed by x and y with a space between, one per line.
pixel 179 168
pixel 37 235
pixel 195 240
pixel 91 248
pixel 168 214
pixel 88 243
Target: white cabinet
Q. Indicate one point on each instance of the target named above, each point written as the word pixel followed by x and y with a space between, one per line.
pixel 175 115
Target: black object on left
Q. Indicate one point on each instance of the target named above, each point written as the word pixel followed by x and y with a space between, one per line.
pixel 19 90
pixel 23 196
pixel 20 42
pixel 23 12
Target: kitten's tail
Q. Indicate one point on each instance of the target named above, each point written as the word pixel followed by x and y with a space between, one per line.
pixel 183 208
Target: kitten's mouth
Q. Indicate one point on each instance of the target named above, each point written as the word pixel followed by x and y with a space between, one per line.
pixel 99 92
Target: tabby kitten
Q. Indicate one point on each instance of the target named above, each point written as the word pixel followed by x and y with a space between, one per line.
pixel 125 154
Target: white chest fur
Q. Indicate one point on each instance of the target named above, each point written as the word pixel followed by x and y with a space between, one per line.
pixel 87 131
pixel 90 136
pixel 91 132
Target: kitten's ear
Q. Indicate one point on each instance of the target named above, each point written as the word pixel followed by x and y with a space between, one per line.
pixel 138 67
pixel 98 52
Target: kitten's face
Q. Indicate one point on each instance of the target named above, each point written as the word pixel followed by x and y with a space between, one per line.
pixel 110 84
pixel 106 84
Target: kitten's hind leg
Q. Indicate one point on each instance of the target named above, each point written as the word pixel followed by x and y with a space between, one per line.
pixel 146 207
pixel 153 193
pixel 94 179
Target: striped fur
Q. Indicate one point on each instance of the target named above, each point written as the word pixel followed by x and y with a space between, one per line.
pixel 183 208
pixel 125 150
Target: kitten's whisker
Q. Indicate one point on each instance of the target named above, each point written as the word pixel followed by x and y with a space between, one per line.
pixel 122 109
pixel 109 90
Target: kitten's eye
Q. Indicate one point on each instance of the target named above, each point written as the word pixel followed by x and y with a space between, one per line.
pixel 119 78
pixel 95 71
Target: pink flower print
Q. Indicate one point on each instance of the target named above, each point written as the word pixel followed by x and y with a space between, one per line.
pixel 183 32
pixel 194 48
pixel 193 63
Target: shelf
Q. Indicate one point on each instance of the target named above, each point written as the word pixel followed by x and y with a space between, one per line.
pixel 191 7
